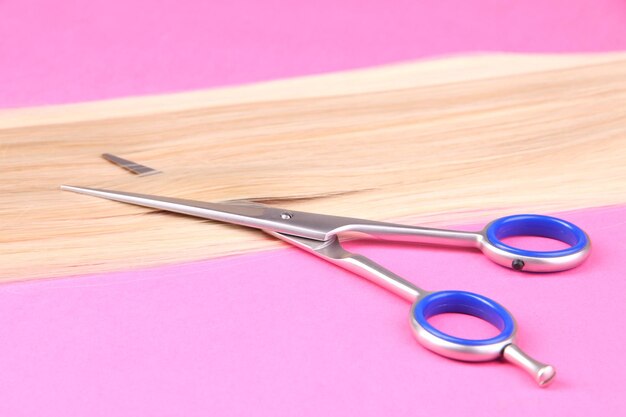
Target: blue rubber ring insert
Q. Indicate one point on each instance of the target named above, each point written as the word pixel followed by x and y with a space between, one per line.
pixel 465 303
pixel 537 225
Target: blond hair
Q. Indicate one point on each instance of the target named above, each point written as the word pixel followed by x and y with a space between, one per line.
pixel 437 142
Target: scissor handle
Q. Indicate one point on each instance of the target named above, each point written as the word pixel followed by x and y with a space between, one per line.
pixel 463 302
pixel 535 225
pixel 501 346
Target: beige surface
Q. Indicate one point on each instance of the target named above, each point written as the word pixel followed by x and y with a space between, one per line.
pixel 432 143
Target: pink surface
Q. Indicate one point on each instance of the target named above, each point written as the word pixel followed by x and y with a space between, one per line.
pixel 53 52
pixel 284 333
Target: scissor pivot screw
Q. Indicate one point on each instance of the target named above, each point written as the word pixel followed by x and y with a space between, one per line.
pixel 286 215
pixel 518 264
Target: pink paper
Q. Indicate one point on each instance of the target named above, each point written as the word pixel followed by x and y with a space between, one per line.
pixel 283 333
pixel 58 52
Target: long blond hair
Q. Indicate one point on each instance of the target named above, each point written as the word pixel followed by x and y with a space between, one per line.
pixel 436 142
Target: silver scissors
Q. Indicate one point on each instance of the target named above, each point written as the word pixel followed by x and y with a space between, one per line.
pixel 319 235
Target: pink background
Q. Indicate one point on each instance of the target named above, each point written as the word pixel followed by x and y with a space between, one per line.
pixel 66 51
pixel 282 333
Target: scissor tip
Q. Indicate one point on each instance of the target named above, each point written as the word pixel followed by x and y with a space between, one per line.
pixel 81 190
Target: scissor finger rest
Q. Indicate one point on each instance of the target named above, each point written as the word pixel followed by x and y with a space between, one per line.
pixel 535 225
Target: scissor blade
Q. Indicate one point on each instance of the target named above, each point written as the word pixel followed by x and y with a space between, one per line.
pixel 308 225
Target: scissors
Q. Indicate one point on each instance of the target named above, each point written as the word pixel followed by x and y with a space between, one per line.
pixel 319 234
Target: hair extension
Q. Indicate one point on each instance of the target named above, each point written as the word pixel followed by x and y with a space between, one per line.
pixel 435 142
